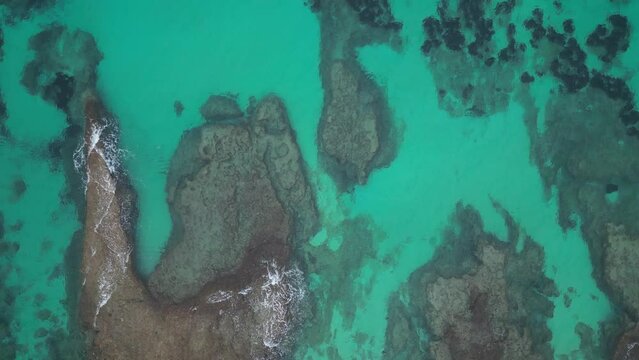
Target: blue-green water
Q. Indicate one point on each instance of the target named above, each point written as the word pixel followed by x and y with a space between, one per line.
pixel 157 52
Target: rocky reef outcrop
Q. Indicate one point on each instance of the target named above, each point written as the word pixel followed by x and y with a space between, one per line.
pixel 220 108
pixel 238 196
pixel 356 134
pixel 232 190
pixel 478 298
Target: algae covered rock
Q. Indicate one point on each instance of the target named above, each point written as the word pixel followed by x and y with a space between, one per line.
pixel 356 133
pixel 238 196
pixel 478 298
pixel 220 108
pixel 349 131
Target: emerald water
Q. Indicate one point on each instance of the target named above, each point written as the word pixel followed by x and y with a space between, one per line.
pixel 159 52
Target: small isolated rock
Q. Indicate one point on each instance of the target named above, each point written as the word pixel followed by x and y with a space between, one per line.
pixel 178 107
pixel 220 108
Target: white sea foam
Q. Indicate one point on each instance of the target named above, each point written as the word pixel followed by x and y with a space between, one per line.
pixel 219 296
pixel 629 349
pixel 278 303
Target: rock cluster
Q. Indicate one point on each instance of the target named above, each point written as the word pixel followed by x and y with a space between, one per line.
pixel 460 40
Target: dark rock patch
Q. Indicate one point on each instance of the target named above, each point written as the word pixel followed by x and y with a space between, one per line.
pixel 607 40
pixel 611 188
pixel 504 7
pixel 60 91
pixel 569 26
pixel 459 40
pixel 4 131
pixel 18 10
pixel 526 78
pixel 220 108
pixel 178 107
pixel 615 88
pixel 376 13
pixel 1 44
pixel 570 67
pixel 535 24
pixel 18 187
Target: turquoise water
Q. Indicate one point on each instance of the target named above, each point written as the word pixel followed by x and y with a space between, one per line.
pixel 156 53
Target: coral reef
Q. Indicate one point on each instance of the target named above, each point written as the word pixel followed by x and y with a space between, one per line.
pixel 356 134
pixel 249 309
pixel 220 108
pixel 478 298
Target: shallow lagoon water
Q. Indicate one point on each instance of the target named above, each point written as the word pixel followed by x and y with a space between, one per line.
pixel 155 55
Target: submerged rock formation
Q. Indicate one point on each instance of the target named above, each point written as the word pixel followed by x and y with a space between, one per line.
pixel 65 65
pixel 17 10
pixel 478 298
pixel 238 196
pixel 245 308
pixel 590 157
pixel 356 134
pixel 220 108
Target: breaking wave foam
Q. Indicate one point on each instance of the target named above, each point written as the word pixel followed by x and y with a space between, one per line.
pixel 279 302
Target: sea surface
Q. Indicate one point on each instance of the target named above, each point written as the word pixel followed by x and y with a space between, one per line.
pixel 157 52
